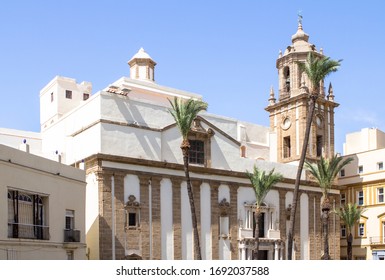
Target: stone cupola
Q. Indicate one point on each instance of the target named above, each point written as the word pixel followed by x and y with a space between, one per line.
pixel 142 66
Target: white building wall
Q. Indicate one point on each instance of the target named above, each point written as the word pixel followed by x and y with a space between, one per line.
pixel 205 209
pixel 304 223
pixel 166 211
pixel 131 187
pixel 130 142
pixel 123 109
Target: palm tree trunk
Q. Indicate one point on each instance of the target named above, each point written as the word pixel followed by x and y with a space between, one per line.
pixel 256 233
pixel 290 237
pixel 325 229
pixel 197 247
pixel 349 239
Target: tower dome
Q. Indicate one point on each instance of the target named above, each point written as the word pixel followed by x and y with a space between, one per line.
pixel 142 66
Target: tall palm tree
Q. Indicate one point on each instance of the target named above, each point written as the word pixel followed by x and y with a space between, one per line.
pixel 317 69
pixel 325 171
pixel 184 112
pixel 261 183
pixel 350 214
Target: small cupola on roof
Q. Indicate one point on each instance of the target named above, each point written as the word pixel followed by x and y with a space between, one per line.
pixel 142 66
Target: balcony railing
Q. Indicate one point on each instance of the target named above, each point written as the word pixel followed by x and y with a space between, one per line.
pixel 377 240
pixel 71 235
pixel 249 233
pixel 17 230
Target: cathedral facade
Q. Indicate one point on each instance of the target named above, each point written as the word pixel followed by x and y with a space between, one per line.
pixel 137 204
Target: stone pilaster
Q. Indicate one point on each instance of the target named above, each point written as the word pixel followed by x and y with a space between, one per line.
pixel 283 216
pixel 233 221
pixel 156 222
pixel 105 212
pixel 145 216
pixel 297 229
pixel 196 190
pixel 334 229
pixel 176 212
pixel 214 220
pixel 119 216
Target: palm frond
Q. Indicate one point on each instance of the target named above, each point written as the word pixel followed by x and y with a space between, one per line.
pixel 326 170
pixel 184 112
pixel 262 183
pixel 318 68
pixel 350 214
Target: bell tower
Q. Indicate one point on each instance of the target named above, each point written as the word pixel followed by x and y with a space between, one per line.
pixel 288 113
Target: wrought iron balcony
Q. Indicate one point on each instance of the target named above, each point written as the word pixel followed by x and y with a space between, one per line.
pixel 26 231
pixel 377 240
pixel 71 235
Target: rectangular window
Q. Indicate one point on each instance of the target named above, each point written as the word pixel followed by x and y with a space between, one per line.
pixel 286 147
pixel 343 199
pixel 361 230
pixel 319 145
pixel 342 173
pixel 380 165
pixel 69 94
pixel 360 197
pixel 196 153
pixel 380 195
pixel 26 215
pixel 132 219
pixel 86 96
pixel 360 169
pixel 51 96
pixel 343 231
pixel 70 219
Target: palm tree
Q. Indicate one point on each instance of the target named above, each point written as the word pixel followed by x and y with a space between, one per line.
pixel 184 112
pixel 261 183
pixel 325 171
pixel 350 214
pixel 317 69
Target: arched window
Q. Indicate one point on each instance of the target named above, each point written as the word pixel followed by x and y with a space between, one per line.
pixel 243 151
pixel 286 75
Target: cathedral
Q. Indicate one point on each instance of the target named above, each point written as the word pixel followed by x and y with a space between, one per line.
pixel 136 198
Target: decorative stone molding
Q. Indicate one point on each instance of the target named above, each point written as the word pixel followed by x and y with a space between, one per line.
pixel 132 203
pixel 224 208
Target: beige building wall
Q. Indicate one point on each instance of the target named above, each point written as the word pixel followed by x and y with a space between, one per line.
pixel 52 191
pixel 363 182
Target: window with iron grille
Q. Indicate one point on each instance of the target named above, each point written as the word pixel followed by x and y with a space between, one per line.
pixel 26 215
pixel 197 152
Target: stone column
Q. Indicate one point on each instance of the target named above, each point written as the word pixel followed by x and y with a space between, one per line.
pixel 119 216
pixel 176 212
pixel 214 220
pixel 233 221
pixel 196 190
pixel 156 222
pixel 105 215
pixel 282 215
pixel 144 217
pixel 276 250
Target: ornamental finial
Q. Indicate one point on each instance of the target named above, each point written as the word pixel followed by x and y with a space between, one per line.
pixel 300 17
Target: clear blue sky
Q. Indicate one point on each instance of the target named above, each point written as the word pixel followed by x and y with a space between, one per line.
pixel 223 50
